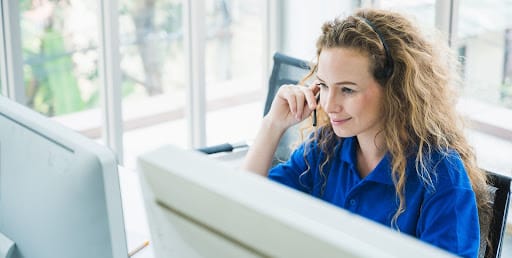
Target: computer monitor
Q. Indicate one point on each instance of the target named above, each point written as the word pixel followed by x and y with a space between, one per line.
pixel 199 207
pixel 59 191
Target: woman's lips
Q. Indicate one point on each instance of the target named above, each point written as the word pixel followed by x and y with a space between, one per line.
pixel 339 121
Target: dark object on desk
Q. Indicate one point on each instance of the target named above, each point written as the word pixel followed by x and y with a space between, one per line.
pixel 286 70
pixel 500 190
pixel 225 147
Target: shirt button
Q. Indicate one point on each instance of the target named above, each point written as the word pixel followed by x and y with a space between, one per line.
pixel 352 202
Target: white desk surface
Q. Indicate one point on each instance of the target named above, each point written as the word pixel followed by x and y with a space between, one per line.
pixel 135 220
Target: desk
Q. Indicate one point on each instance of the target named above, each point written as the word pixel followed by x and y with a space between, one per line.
pixel 135 219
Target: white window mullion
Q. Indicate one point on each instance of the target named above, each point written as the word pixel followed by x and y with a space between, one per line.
pixel 11 54
pixel 194 41
pixel 271 31
pixel 446 19
pixel 110 77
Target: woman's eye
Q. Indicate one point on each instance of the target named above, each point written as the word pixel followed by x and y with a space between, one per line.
pixel 347 90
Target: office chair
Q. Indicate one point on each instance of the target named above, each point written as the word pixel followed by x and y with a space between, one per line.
pixel 499 187
pixel 286 70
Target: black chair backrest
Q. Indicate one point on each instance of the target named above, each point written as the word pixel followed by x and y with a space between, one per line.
pixel 286 70
pixel 500 192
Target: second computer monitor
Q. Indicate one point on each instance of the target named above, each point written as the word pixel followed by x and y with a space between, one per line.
pixel 198 207
pixel 59 191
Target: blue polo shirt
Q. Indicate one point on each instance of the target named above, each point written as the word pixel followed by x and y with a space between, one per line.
pixel 444 215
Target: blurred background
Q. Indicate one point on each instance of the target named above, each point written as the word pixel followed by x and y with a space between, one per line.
pixel 136 74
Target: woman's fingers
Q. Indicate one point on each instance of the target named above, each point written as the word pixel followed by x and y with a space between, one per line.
pixel 311 94
pixel 301 100
pixel 286 92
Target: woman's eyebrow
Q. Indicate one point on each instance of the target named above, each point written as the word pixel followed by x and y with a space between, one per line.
pixel 318 77
pixel 338 83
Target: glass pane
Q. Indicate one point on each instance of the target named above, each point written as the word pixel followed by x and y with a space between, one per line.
pixel 151 49
pixel 422 11
pixel 60 60
pixel 297 35
pixel 60 55
pixel 234 46
pixel 485 47
pixel 153 75
pixel 234 66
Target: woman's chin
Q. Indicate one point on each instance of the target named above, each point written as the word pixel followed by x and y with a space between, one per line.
pixel 343 133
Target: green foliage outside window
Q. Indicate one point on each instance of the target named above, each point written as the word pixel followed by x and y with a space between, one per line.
pixel 56 83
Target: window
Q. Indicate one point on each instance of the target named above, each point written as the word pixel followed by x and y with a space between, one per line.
pixel 483 41
pixel 422 11
pixel 60 60
pixel 233 66
pixel 59 55
pixel 153 69
pixel 152 74
pixel 484 33
pixel 301 22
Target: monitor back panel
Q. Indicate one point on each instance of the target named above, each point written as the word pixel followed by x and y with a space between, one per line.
pixel 54 200
pixel 196 203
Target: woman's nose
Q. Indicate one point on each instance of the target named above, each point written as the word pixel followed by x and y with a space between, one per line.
pixel 330 103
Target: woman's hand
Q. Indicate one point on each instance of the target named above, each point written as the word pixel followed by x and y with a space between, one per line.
pixel 292 104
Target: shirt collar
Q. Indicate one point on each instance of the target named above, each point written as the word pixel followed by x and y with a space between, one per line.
pixel 348 151
pixel 381 173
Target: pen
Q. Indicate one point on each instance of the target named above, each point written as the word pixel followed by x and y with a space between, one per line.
pixel 137 249
pixel 314 111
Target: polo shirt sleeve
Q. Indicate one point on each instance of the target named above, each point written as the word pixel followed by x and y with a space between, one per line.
pixel 450 220
pixel 291 172
pixel 449 214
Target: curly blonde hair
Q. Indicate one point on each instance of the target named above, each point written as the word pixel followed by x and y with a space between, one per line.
pixel 419 97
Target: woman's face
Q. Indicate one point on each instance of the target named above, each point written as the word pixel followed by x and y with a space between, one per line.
pixel 348 93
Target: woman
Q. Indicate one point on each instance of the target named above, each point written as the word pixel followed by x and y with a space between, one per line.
pixel 389 145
